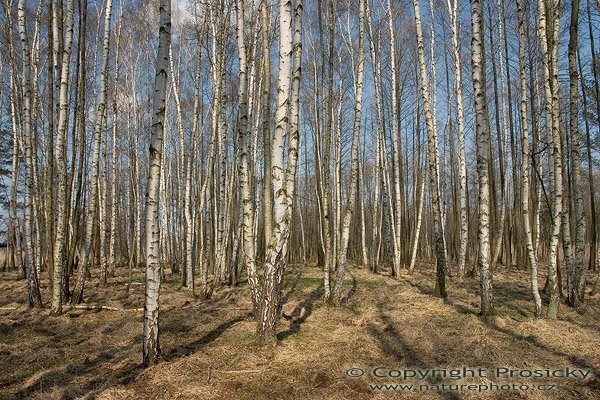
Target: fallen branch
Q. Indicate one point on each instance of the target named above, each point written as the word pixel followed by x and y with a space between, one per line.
pixel 98 307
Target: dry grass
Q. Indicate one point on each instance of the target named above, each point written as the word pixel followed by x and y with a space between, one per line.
pixel 209 348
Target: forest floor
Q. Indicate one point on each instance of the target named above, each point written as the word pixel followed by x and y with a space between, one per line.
pixel 209 351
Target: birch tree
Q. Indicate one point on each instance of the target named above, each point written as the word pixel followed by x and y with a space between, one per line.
pixel 244 138
pixel 440 284
pixel 283 181
pixel 151 344
pixel 483 143
pixel 396 145
pixel 60 151
pixel 34 297
pixel 531 253
pixel 462 166
pixel 113 192
pixel 553 135
pixel 358 95
pixel 266 124
pixel 97 139
pixel 577 273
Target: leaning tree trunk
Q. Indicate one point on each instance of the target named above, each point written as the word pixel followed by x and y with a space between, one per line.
pixel 151 345
pixel 483 143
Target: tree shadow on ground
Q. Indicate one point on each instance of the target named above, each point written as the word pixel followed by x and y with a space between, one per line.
pixel 193 347
pixel 294 283
pixel 578 361
pixel 352 292
pixel 121 375
pixel 505 296
pixel 424 289
pixel 64 377
pixel 392 341
pixel 300 313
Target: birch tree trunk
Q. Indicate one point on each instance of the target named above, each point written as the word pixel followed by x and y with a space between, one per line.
pixel 244 166
pixel 93 199
pixel 266 127
pixel 440 284
pixel 292 165
pixel 60 151
pixel 330 239
pixel 189 216
pixel 283 182
pixel 419 178
pixel 483 143
pixel 51 165
pixel 114 170
pixel 16 247
pixel 531 253
pixel 593 246
pixel 388 214
pixel 462 168
pixel 151 344
pixel 596 74
pixel 181 163
pixel 34 298
pixel 502 144
pixel 576 275
pixel 358 94
pixel 102 200
pixel 396 142
pixel 363 228
pixel 553 134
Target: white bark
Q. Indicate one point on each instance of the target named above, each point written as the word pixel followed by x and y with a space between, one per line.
pixel 358 95
pixel 577 274
pixel 61 163
pixel 503 150
pixel 113 193
pixel 440 289
pixel 462 166
pixel 31 271
pixel 531 253
pixel 553 135
pixel 93 199
pixel 266 105
pixel 396 147
pixel 283 183
pixel 483 143
pixel 151 345
pixel 244 166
